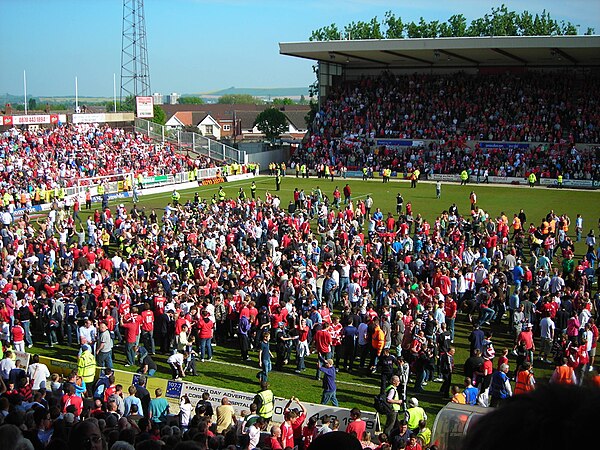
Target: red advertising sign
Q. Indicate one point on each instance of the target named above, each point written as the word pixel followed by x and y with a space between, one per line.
pixel 34 119
pixel 214 180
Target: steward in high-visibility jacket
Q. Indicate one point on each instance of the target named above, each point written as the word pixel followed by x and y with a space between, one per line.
pixel 86 364
pixel 563 374
pixel 265 402
pixel 175 196
pixel 525 382
pixel 532 179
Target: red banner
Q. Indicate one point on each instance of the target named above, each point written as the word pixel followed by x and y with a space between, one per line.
pixel 34 119
pixel 214 180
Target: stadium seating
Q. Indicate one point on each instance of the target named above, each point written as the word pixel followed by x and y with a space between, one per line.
pixel 65 154
pixel 556 109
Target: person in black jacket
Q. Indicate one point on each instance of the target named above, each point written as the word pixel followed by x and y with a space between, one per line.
pixel 161 331
pixel 446 370
pixel 386 363
pixel 142 393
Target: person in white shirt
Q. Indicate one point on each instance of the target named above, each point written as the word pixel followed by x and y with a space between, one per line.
pixel 176 363
pixel 87 334
pixel 185 407
pixel 6 365
pixel 547 328
pixel 254 431
pixel 38 373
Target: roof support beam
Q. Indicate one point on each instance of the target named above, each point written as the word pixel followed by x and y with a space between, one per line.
pixel 412 58
pixel 509 55
pixel 454 55
pixel 565 55
pixel 362 58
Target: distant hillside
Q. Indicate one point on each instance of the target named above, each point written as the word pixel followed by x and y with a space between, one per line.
pixel 16 99
pixel 261 92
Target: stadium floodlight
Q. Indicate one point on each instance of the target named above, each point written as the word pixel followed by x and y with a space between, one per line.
pixel 135 71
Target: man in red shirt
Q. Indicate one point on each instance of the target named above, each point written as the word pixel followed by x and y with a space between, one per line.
pixel 297 419
pixel 287 432
pixel 526 337
pixel 147 325
pixel 131 330
pixel 357 425
pixel 323 342
pixel 71 399
pixel 159 303
pixel 450 309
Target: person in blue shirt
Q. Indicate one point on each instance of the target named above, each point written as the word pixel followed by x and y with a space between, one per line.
pixel 518 275
pixel 315 252
pixel 471 392
pixel 500 388
pixel 329 385
pixel 159 408
pixel 378 215
pixel 329 286
pixel 476 338
pixel 349 340
pixel 315 316
pixel 132 400
pixel 264 357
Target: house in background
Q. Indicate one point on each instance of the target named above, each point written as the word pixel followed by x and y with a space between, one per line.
pixel 220 121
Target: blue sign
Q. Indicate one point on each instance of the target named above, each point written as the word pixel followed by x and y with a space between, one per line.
pixel 174 389
pixel 32 209
pixel 509 145
pixel 394 142
pixel 114 195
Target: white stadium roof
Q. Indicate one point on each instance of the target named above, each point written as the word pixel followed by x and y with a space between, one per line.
pixel 456 53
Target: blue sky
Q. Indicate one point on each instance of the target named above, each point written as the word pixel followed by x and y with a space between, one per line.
pixel 199 45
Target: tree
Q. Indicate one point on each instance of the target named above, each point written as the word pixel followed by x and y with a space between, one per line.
pixel 190 100
pixel 159 115
pixel 283 101
pixel 363 30
pixel 239 99
pixel 499 21
pixel 272 123
pixel 32 104
pixel 395 26
pixel 327 33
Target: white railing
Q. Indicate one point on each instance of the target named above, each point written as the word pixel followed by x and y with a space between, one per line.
pixel 191 142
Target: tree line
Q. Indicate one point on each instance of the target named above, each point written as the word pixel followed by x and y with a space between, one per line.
pixel 499 22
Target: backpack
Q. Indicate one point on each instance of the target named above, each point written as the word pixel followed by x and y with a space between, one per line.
pixel 381 404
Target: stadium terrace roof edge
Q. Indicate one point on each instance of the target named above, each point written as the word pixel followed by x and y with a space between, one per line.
pixel 537 51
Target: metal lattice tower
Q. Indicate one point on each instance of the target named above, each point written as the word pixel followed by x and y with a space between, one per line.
pixel 135 71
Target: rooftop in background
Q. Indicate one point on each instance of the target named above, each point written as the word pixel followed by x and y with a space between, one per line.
pixel 222 110
pixel 453 53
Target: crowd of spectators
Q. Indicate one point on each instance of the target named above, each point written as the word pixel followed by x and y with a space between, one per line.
pixel 368 292
pixel 44 159
pixel 556 110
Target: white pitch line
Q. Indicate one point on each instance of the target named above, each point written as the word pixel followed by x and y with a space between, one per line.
pixel 289 374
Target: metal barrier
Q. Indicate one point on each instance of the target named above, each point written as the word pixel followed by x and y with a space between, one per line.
pixel 191 142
